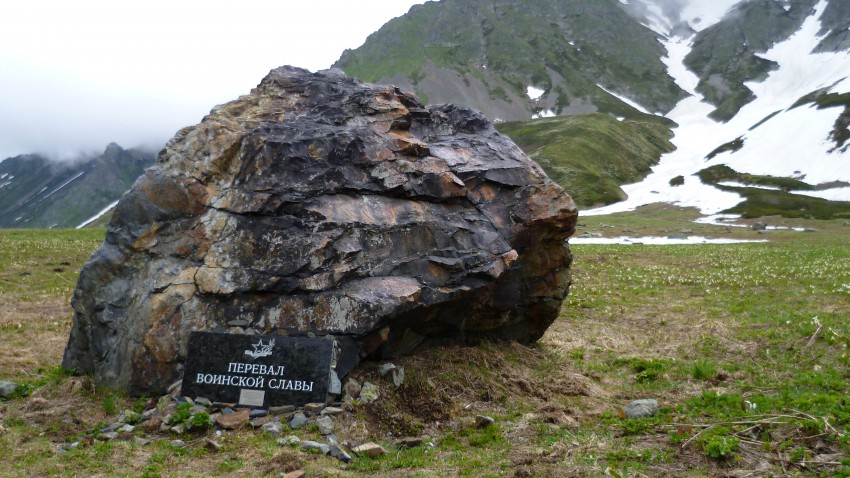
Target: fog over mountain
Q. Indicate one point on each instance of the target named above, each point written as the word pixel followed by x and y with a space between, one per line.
pixel 79 75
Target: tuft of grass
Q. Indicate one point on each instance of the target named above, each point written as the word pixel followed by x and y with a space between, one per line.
pixel 703 370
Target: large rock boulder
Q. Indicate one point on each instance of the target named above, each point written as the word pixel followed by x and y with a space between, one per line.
pixel 320 204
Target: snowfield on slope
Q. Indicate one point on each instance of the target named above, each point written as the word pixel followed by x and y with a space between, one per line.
pixel 793 143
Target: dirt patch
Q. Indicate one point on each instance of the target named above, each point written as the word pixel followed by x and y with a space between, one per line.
pixel 33 334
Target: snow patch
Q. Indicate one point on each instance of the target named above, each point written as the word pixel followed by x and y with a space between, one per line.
pixel 834 194
pixel 544 114
pixel 660 241
pixel 735 184
pixel 534 93
pixel 63 185
pixel 790 142
pixel 97 216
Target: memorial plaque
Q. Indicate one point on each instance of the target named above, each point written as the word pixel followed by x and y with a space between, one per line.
pixel 257 370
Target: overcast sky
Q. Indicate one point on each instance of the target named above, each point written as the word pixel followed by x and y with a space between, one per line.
pixel 76 75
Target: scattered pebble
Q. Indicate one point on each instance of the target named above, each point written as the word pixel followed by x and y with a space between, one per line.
pixel 392 373
pixel 372 450
pixel 352 388
pixel 291 440
pixel 232 421
pixel 332 411
pixel 643 408
pixel 369 392
pixel 311 446
pixel 274 428
pixel 212 445
pixel 325 424
pixel 282 410
pixel 483 421
pixel 298 420
pixel 408 442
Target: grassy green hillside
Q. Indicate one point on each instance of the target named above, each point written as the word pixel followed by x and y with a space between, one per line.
pixel 590 156
pixel 564 47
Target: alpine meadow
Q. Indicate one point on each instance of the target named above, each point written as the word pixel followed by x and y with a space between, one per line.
pixel 499 238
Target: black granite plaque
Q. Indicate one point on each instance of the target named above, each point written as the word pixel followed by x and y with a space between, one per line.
pixel 257 370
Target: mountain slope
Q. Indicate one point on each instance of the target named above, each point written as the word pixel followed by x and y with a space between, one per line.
pixel 512 59
pixel 37 192
pixel 727 54
pixel 593 154
pixel 794 128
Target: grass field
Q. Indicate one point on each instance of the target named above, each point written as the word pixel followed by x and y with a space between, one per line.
pixel 744 347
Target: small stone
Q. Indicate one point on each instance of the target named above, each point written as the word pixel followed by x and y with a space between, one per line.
pixel 759 226
pixel 223 406
pixel 325 424
pixel 203 401
pixel 643 408
pixel 483 421
pixel 298 420
pixel 337 452
pixel 178 443
pixel 212 445
pixel 260 421
pixel 258 412
pixel 178 429
pixel 152 424
pixel 369 392
pixel 290 440
pixel 294 474
pixel 334 385
pixel 315 447
pixel 139 441
pixel 314 407
pixel 372 450
pixel 174 388
pixel 352 388
pixel 274 428
pixel 392 373
pixel 198 409
pixel 232 421
pixel 129 416
pixel 408 442
pixel 332 411
pixel 182 399
pixel 110 428
pixel 108 436
pixel 281 410
pixel 126 429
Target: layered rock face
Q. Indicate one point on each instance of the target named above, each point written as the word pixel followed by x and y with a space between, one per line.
pixel 317 204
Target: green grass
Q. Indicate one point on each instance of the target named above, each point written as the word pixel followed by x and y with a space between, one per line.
pixel 768 202
pixel 38 263
pixel 744 346
pixel 590 156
